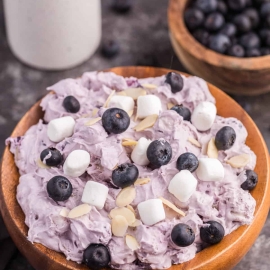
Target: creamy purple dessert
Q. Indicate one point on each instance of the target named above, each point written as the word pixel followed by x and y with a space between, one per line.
pixel 213 185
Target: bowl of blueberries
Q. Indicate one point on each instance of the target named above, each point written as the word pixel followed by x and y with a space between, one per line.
pixel 226 42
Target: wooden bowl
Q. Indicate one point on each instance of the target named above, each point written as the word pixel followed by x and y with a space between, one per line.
pixel 221 256
pixel 242 76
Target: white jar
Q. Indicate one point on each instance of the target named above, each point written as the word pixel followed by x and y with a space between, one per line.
pixel 53 34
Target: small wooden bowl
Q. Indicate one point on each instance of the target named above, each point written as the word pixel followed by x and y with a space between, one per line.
pixel 224 255
pixel 242 76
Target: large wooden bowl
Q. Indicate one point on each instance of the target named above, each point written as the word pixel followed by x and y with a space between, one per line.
pixel 221 256
pixel 243 76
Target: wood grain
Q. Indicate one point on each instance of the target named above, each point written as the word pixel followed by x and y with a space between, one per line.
pixel 224 255
pixel 245 76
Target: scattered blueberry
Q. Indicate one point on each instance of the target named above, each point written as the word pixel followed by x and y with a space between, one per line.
pixel 55 158
pixel 110 48
pixel 182 235
pixel 206 6
pixel 253 52
pixel 242 23
pixel 175 80
pixel 222 7
pixel 187 161
pixel 71 104
pixel 225 138
pixel 265 10
pixel 253 15
pixel 236 51
pixel 214 21
pixel 250 40
pixel 96 256
pixel 213 233
pixel 219 43
pixel 251 182
pixel 237 5
pixel 59 188
pixel 193 18
pixel 125 175
pixel 202 36
pixel 182 111
pixel 122 6
pixel 115 120
pixel 229 29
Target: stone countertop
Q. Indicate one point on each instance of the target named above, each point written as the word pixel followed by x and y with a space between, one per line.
pixel 143 37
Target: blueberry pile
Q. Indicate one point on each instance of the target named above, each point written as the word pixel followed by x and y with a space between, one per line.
pixel 239 28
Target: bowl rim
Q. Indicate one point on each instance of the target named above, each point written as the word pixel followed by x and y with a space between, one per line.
pixel 184 38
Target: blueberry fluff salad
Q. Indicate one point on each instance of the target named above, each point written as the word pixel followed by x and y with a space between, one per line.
pixel 133 173
pixel 238 28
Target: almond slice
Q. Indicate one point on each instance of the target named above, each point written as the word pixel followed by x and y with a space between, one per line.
pixel 172 206
pixel 64 212
pixel 147 122
pixel 170 105
pixel 129 143
pixel 130 113
pixel 94 112
pixel 142 181
pixel 125 196
pixel 122 93
pixel 135 92
pixel 131 208
pixel 239 161
pixel 194 142
pixel 149 86
pixel 136 223
pixel 92 121
pixel 42 165
pixel 108 99
pixel 131 242
pixel 126 213
pixel 212 151
pixel 79 210
pixel 119 226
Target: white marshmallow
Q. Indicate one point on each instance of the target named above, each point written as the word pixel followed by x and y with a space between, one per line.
pixel 76 163
pixel 148 105
pixel 138 154
pixel 210 169
pixel 151 211
pixel 183 185
pixel 204 115
pixel 95 194
pixel 60 128
pixel 122 102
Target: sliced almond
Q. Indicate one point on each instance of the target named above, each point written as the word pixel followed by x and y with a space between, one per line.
pixel 129 143
pixel 122 93
pixel 125 196
pixel 119 226
pixel 84 115
pixel 108 99
pixel 170 105
pixel 136 223
pixel 79 211
pixel 142 181
pixel 239 161
pixel 130 113
pixel 94 112
pixel 147 122
pixel 131 208
pixel 92 121
pixel 131 242
pixel 42 165
pixel 149 86
pixel 172 206
pixel 126 213
pixel 212 151
pixel 115 167
pixel 64 212
pixel 135 92
pixel 194 142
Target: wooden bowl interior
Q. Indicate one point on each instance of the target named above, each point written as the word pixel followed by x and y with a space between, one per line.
pixel 221 256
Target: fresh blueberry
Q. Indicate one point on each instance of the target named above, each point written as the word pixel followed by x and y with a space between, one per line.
pixel 187 161
pixel 265 36
pixel 175 80
pixel 159 152
pixel 229 29
pixel 250 40
pixel 214 21
pixel 55 158
pixel 202 36
pixel 125 175
pixel 253 15
pixel 206 6
pixel 234 41
pixel 213 233
pixel 225 138
pixel 122 6
pixel 222 7
pixel 253 52
pixel 59 188
pixel 242 23
pixel 251 181
pixel 265 10
pixel 110 48
pixel 267 21
pixel 219 43
pixel 237 5
pixel 236 51
pixel 182 235
pixel 71 104
pixel 182 111
pixel 265 51
pixel 96 256
pixel 193 18
pixel 115 120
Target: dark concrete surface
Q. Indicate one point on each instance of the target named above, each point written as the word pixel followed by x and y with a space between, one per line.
pixel 143 37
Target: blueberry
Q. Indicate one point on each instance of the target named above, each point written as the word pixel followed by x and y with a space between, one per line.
pixel 265 51
pixel 214 21
pixel 96 256
pixel 236 51
pixel 202 36
pixel 115 120
pixel 175 80
pixel 59 188
pixel 234 41
pixel 265 10
pixel 222 7
pixel 237 5
pixel 251 181
pixel 250 40
pixel 182 235
pixel 122 6
pixel 253 15
pixel 71 104
pixel 206 6
pixel 267 21
pixel 242 23
pixel 159 152
pixel 219 43
pixel 265 36
pixel 253 52
pixel 110 48
pixel 187 161
pixel 225 138
pixel 125 175
pixel 212 234
pixel 182 111
pixel 193 18
pixel 55 158
pixel 229 29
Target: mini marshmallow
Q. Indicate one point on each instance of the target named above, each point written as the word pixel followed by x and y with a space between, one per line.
pixel 204 115
pixel 60 128
pixel 95 194
pixel 122 102
pixel 183 185
pixel 76 163
pixel 210 169
pixel 148 105
pixel 138 154
pixel 151 211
